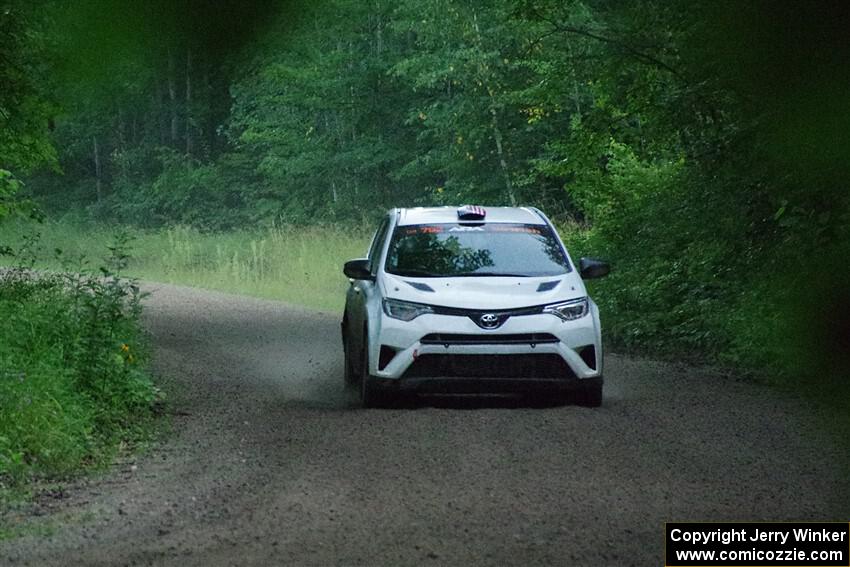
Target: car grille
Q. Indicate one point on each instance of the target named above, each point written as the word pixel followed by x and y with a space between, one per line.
pixel 461 312
pixel 489 366
pixel 489 339
pixel 501 315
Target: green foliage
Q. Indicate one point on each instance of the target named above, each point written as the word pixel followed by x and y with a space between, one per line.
pixel 9 187
pixel 72 368
pixel 698 147
pixel 25 109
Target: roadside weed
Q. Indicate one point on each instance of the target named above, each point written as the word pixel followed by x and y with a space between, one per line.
pixel 73 382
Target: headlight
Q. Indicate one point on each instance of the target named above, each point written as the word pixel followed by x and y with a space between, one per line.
pixel 405 310
pixel 568 310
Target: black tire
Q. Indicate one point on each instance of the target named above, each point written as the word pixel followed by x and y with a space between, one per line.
pixel 371 395
pixel 351 377
pixel 590 392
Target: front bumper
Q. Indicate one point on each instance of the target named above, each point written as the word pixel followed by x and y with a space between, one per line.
pixel 454 385
pixel 445 352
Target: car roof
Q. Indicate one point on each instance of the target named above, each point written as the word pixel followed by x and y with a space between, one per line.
pixel 441 215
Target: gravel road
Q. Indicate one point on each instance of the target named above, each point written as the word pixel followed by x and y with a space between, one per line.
pixel 271 463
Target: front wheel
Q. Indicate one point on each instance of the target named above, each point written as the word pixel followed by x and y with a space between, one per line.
pixel 371 395
pixel 350 374
pixel 590 392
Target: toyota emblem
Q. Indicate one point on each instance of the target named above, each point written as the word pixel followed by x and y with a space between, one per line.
pixel 489 321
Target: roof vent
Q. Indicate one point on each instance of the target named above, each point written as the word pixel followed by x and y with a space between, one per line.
pixel 471 212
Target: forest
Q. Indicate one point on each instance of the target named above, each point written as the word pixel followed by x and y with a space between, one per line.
pixel 701 147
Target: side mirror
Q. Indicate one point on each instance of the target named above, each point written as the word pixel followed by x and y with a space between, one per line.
pixel 358 269
pixel 591 268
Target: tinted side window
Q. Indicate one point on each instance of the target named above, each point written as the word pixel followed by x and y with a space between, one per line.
pixel 377 245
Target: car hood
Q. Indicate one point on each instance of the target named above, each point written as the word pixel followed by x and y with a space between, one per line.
pixel 485 292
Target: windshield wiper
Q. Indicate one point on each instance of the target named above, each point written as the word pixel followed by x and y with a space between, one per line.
pixel 417 274
pixel 490 274
pixel 414 273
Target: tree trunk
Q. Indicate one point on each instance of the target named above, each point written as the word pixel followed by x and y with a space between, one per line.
pixel 497 136
pixel 97 170
pixel 576 99
pixel 379 36
pixel 156 110
pixel 172 97
pixel 351 91
pixel 494 116
pixel 121 129
pixel 189 122
pixel 207 129
pixel 122 145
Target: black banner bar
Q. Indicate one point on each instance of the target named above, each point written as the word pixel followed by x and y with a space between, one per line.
pixel 754 544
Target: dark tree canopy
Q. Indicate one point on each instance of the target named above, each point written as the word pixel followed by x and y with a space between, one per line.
pixel 701 146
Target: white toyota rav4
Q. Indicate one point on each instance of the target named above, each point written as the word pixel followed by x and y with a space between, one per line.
pixel 471 300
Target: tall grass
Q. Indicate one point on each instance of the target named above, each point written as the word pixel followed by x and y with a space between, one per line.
pixel 297 265
pixel 73 379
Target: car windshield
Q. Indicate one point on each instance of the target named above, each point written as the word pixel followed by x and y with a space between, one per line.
pixel 458 250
